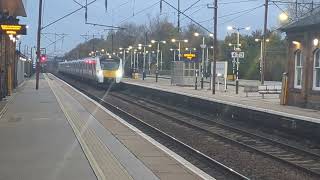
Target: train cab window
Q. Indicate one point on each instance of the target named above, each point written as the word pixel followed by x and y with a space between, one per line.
pixel 109 64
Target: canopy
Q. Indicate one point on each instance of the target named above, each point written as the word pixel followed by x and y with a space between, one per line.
pixel 14 7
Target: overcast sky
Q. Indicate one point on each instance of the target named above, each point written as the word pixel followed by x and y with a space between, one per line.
pixel 231 12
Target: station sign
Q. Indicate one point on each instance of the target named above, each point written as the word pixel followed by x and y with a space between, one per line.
pixel 13 29
pixel 237 54
pixel 190 57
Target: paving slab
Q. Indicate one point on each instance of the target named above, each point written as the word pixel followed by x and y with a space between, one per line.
pixel 119 134
pixel 37 142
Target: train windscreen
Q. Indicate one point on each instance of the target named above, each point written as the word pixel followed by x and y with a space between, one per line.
pixel 109 64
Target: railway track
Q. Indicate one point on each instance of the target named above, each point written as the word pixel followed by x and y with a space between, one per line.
pixel 214 168
pixel 306 161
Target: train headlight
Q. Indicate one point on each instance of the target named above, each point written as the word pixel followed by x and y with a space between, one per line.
pixel 119 73
pixel 100 73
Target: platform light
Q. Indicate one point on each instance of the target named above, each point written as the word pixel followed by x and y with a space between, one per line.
pixel 297 44
pixel 196 34
pixel 230 28
pixel 173 40
pixel 283 17
pixel 153 41
pixel 211 35
pixel 186 40
pixel 316 42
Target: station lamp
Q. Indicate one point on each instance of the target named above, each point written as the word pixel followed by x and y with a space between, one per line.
pixel 316 42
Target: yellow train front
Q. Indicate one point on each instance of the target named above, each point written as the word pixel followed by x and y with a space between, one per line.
pixel 101 69
pixel 111 68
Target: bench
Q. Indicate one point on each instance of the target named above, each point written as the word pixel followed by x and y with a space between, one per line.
pixel 269 89
pixel 250 89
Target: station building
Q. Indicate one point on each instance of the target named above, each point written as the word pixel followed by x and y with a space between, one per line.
pixel 303 65
pixel 11 61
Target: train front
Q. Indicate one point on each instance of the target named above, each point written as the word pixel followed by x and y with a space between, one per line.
pixel 112 68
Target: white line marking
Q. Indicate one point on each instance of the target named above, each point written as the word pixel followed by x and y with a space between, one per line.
pixel 172 154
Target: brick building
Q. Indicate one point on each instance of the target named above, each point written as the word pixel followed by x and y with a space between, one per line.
pixel 9 11
pixel 304 61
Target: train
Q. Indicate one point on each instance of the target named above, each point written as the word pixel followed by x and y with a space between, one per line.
pixel 104 69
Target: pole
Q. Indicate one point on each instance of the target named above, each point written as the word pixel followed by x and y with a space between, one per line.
pixel 144 62
pixel 131 59
pixel 38 45
pixel 207 61
pixel 264 41
pixel 174 55
pixel 179 16
pixel 202 63
pixel 238 47
pixel 215 47
pixel 158 50
pixel 157 69
pixel 134 61
pixel 179 55
pixel 161 62
pixel 149 62
pixel 261 56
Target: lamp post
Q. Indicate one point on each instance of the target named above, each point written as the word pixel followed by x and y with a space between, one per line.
pixel 135 50
pixel 124 51
pixel 238 49
pixel 207 61
pixel 158 51
pixel 203 46
pixel 144 59
pixel 191 49
pixel 179 44
pixel 174 53
pixel 261 58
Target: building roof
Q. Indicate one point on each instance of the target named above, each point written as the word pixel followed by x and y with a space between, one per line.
pixel 13 7
pixel 309 21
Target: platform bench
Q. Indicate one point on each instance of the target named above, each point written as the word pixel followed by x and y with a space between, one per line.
pixel 269 89
pixel 250 89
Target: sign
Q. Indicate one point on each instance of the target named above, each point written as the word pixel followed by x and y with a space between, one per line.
pixel 203 46
pixel 13 29
pixel 222 68
pixel 241 54
pixel 237 54
pixel 234 54
pixel 190 57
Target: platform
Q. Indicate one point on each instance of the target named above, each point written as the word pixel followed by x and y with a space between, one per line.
pixel 269 104
pixel 59 133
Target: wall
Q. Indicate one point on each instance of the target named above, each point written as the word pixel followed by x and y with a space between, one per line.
pixel 306 96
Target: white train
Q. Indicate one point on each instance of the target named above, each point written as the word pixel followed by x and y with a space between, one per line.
pixel 102 69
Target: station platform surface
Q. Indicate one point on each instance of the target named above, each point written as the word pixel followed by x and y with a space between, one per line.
pixel 270 103
pixel 59 133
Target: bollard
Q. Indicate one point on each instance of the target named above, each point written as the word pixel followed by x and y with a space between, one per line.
pixel 157 73
pixel 196 82
pixel 143 75
pixel 237 86
pixel 202 81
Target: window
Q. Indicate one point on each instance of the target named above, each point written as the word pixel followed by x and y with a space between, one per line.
pixel 316 70
pixel 298 69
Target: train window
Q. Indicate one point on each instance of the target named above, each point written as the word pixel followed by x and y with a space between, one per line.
pixel 109 65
